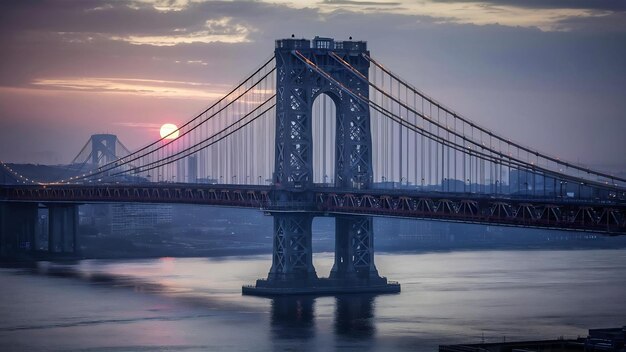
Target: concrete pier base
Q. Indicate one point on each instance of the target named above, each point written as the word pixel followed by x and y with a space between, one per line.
pixel 292 271
pixel 320 287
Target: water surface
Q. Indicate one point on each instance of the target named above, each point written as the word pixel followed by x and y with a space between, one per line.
pixel 195 304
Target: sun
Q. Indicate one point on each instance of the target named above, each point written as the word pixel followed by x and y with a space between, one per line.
pixel 168 128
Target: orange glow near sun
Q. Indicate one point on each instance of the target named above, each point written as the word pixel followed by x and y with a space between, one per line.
pixel 169 131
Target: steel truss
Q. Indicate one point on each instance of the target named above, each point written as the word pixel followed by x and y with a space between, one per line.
pixel 292 259
pixel 566 215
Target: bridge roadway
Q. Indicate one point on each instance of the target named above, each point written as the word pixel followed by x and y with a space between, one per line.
pixel 600 216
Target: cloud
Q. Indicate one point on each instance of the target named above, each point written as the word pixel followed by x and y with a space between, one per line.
pixel 602 23
pixel 360 3
pixel 608 5
pixel 142 125
pixel 162 5
pixel 215 30
pixel 153 88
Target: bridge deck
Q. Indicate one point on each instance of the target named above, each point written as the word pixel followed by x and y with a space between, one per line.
pixel 603 216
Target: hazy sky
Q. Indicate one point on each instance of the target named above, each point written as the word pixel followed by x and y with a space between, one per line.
pixel 547 73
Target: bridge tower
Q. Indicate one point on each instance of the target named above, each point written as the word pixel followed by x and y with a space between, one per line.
pixel 103 148
pixel 100 149
pixel 297 87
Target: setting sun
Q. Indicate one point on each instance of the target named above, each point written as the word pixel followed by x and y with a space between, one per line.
pixel 169 131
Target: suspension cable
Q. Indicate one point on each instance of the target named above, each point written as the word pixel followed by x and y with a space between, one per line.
pixel 485 130
pixel 415 128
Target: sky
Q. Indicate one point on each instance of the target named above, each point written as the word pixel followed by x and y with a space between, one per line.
pixel 550 74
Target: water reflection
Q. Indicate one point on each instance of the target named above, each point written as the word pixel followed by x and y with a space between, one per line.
pixel 354 316
pixel 293 317
pixel 447 298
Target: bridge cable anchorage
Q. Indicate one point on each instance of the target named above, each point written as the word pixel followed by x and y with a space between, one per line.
pixel 489 132
pixel 137 154
pixel 512 160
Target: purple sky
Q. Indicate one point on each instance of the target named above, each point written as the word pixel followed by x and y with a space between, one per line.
pixel 549 74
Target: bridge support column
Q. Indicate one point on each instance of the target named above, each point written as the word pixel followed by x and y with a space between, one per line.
pixel 292 259
pixel 18 223
pixel 354 251
pixel 62 228
pixel 292 271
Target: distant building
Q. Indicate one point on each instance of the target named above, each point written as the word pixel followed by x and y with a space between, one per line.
pixel 129 219
pixel 192 169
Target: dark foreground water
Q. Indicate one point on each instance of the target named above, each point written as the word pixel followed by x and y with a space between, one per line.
pixel 195 304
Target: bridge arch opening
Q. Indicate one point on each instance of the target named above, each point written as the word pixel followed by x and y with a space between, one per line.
pixel 324 127
pixel 323 232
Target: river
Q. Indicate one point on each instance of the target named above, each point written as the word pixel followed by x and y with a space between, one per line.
pixel 195 304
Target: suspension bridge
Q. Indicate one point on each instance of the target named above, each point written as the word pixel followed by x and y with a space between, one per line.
pixel 322 128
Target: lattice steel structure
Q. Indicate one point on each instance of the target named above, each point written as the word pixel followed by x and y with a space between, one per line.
pixel 297 87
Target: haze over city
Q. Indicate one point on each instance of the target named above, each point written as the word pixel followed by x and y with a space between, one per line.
pixel 549 74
